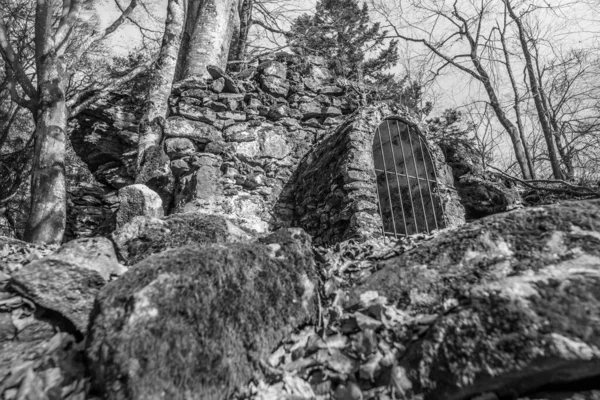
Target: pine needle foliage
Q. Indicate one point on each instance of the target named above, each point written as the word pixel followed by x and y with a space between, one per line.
pixel 342 33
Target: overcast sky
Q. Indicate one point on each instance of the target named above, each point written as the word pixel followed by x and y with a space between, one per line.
pixel 572 24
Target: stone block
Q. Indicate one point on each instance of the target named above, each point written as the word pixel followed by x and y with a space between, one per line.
pixel 180 167
pixel 179 147
pixel 199 132
pixel 275 86
pixel 276 146
pixel 217 106
pixel 254 103
pixel 314 109
pixel 205 184
pixel 273 68
pixel 230 85
pixel 197 93
pixel 137 200
pixel 236 116
pixel 331 90
pixel 244 132
pixel 218 85
pixel 194 112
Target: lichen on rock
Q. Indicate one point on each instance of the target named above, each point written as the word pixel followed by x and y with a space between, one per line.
pixel 145 236
pixel 192 322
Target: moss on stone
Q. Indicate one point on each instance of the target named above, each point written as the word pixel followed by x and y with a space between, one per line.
pixel 517 299
pixel 512 345
pixel 178 230
pixel 190 322
pixel 522 240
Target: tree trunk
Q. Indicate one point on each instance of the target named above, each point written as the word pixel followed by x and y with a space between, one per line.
pixel 240 42
pixel 210 41
pixel 516 106
pixel 48 214
pixel 564 153
pixel 541 112
pixel 510 128
pixel 193 11
pixel 157 100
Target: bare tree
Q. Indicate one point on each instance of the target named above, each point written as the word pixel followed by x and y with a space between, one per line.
pixel 517 99
pixel 45 96
pixel 485 135
pixel 468 31
pixel 536 91
pixel 518 51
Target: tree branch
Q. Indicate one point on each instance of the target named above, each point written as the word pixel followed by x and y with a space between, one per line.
pixel 574 190
pixel 67 21
pixel 270 29
pixel 77 108
pixel 11 60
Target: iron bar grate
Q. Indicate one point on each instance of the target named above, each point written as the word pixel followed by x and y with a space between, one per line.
pixel 407 184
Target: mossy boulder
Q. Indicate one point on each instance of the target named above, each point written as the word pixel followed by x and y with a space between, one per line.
pixel 138 200
pixel 512 303
pixel 193 322
pixel 145 236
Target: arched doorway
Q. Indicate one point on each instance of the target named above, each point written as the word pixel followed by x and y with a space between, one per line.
pixel 406 180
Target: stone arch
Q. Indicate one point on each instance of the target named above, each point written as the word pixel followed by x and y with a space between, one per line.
pixel 336 189
pixel 406 178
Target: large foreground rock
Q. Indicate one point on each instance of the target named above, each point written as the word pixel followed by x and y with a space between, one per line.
pixel 66 282
pixel 144 236
pixel 191 323
pixel 507 306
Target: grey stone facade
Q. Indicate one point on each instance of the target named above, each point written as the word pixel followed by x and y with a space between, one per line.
pixel 336 190
pixel 284 144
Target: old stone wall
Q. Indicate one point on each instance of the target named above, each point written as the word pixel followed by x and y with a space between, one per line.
pixel 281 144
pixel 234 143
pixel 101 161
pixel 336 189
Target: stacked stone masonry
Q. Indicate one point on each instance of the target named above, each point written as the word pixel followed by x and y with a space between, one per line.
pixel 234 144
pixel 336 193
pixel 282 144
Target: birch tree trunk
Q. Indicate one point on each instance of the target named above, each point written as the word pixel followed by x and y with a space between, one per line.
pixel 48 212
pixel 157 100
pixel 211 37
pixel 46 100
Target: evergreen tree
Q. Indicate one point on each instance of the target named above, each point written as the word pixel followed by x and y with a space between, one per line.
pixel 341 32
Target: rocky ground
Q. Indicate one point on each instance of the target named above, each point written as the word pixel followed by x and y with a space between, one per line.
pixel 506 307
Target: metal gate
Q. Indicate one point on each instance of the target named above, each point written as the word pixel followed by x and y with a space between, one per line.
pixel 406 180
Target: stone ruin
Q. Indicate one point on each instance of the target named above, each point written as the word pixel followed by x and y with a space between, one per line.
pixel 281 145
pixel 338 192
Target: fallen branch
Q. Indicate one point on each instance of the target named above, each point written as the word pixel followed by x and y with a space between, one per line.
pixel 571 189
